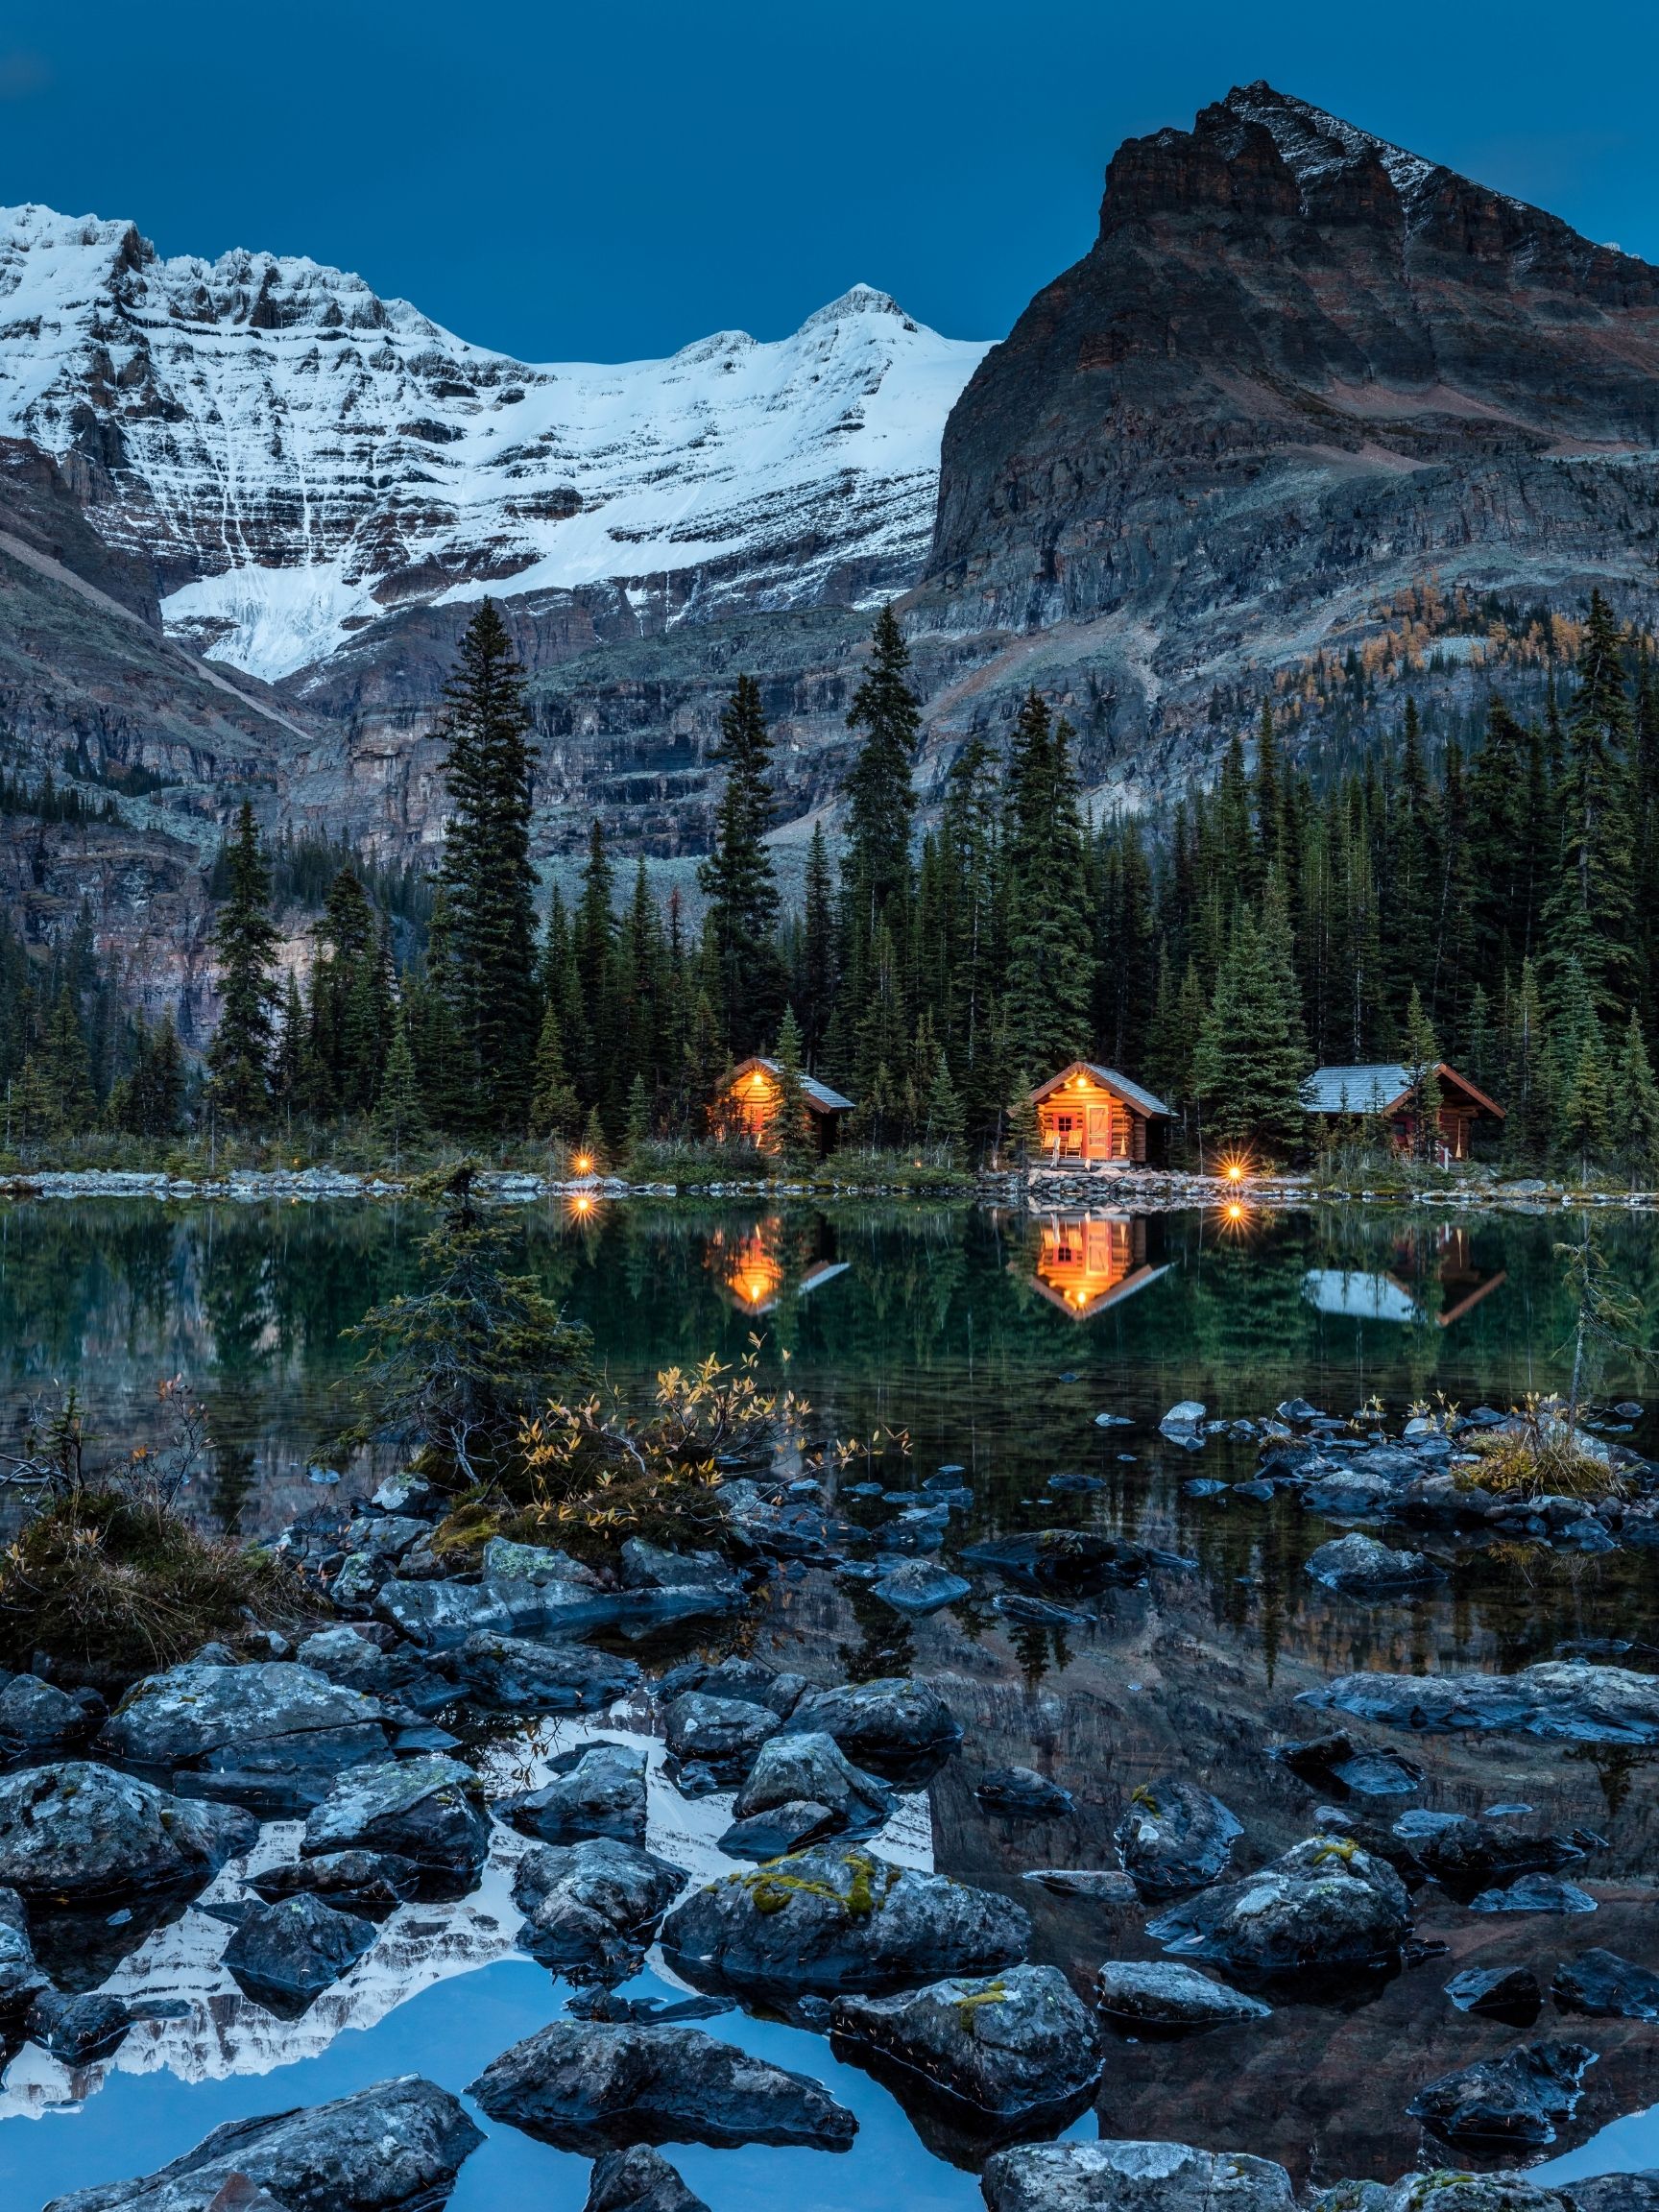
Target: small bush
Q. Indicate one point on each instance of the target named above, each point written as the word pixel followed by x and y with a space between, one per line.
pixel 1538 1453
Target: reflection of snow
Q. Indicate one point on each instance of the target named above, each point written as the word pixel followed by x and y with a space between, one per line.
pixel 225 2033
pixel 1359 1296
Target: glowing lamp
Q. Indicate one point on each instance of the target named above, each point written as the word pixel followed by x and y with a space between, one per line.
pixel 584 1164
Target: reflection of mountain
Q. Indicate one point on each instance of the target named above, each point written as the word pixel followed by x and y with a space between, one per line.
pixel 1087 1262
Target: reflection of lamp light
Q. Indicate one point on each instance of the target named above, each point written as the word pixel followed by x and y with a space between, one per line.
pixel 1234 1212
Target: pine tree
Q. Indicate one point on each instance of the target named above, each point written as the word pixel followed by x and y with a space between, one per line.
pixel 489 768
pixel 636 1128
pixel 1590 915
pixel 738 879
pixel 1250 1059
pixel 880 797
pixel 1526 1127
pixel 1422 1070
pixel 598 1073
pixel 791 1134
pixel 554 1111
pixel 815 972
pixel 1050 957
pixel 245 938
pixel 1024 1126
pixel 399 1116
pixel 1635 1109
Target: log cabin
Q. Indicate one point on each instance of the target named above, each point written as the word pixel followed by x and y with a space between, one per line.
pixel 1386 1091
pixel 746 1106
pixel 1088 1114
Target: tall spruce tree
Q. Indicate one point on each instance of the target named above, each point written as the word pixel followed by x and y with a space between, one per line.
pixel 1250 1060
pixel 244 939
pixel 489 768
pixel 1590 915
pixel 1050 958
pixel 739 881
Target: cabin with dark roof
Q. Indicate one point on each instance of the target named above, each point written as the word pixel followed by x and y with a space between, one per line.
pixel 1089 1113
pixel 746 1106
pixel 1385 1091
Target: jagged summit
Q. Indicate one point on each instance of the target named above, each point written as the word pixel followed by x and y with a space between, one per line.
pixel 296 456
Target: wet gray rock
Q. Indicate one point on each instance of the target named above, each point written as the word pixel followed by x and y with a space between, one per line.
pixel 504 1561
pixel 1502 1992
pixel 638 2179
pixel 430 1809
pixel 720 1733
pixel 1519 2097
pixel 519 1675
pixel 920 1586
pixel 37 1715
pixel 1606 1987
pixel 78 1829
pixel 398 1676
pixel 1020 1793
pixel 837 1919
pixel 586 2085
pixel 356 1881
pixel 887 1725
pixel 1534 1893
pixel 284 1954
pixel 1614 2193
pixel 589 1906
pixel 76 2030
pixel 272 1733
pixel 1324 1903
pixel 650 1567
pixel 1464 1854
pixel 21 1979
pixel 397 2146
pixel 1101 1884
pixel 1442 2191
pixel 779 1830
pixel 1008 2046
pixel 748 1680
pixel 1161 1993
pixel 1074 1560
pixel 1568 1700
pixel 812 1768
pixel 595 1790
pixel 1174 1836
pixel 439 1615
pixel 1351 1493
pixel 1113 2176
pixel 1358 1566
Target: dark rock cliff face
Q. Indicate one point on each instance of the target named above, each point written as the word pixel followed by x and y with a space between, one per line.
pixel 1299 367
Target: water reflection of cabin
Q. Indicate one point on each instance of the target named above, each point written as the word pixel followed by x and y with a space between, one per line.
pixel 748 1104
pixel 1087 1262
pixel 1358 1294
pixel 1387 1093
pixel 1091 1113
pixel 748 1264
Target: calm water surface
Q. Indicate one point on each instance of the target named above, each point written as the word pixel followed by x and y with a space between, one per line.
pixel 989 1343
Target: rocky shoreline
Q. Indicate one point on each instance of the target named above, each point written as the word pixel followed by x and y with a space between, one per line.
pixel 1141 1190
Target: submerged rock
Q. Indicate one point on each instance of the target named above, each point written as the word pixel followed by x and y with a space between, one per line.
pixel 920 1586
pixel 1567 1701
pixel 429 1810
pixel 1070 1559
pixel 586 2085
pixel 284 1954
pixel 351 1657
pixel 1502 1993
pixel 888 1726
pixel 1359 1566
pixel 1102 1884
pixel 1008 2046
pixel 1174 1836
pixel 720 1733
pixel 1020 1794
pixel 595 1790
pixel 638 2179
pixel 836 1919
pixel 519 1675
pixel 588 1906
pixel 1516 2098
pixel 439 1615
pixel 1462 1854
pixel 810 1767
pixel 356 1881
pixel 1535 1894
pixel 397 2146
pixel 21 1979
pixel 792 1826
pixel 1606 1987
pixel 1325 1902
pixel 1160 1993
pixel 77 1830
pixel 1113 2176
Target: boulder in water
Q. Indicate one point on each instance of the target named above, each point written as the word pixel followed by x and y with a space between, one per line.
pixel 595 1790
pixel 1606 1987
pixel 638 2179
pixel 37 1716
pixel 720 1733
pixel 1509 1993
pixel 779 1830
pixel 21 1979
pixel 1111 2176
pixel 80 1831
pixel 430 1809
pixel 588 1907
pixel 1360 1567
pixel 1174 1838
pixel 1007 2046
pixel 285 1954
pixel 1564 1701
pixel 892 1726
pixel 1020 1794
pixel 397 2146
pixel 810 1767
pixel 519 1675
pixel 77 2029
pixel 1516 2098
pixel 1325 1904
pixel 1161 1993
pixel 589 2085
pixel 920 1586
pixel 356 1881
pixel 271 1734
pixel 836 1919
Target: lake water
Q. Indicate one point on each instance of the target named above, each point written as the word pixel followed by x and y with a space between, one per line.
pixel 990 1342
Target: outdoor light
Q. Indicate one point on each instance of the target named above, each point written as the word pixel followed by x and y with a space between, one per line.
pixel 584 1164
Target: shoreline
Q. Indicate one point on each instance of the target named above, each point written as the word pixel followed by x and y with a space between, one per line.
pixel 1037 1191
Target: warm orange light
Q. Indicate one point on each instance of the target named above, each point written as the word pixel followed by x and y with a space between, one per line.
pixel 583 1204
pixel 584 1164
pixel 1234 1212
pixel 1236 1167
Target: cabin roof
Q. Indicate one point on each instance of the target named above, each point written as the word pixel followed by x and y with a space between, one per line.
pixel 1378 1086
pixel 1109 1079
pixel 818 1095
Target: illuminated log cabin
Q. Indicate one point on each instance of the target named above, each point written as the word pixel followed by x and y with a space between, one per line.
pixel 1090 1115
pixel 746 1107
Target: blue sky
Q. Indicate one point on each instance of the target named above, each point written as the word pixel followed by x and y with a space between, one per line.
pixel 609 182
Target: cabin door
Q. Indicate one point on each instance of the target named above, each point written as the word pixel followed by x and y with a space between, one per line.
pixel 1097 1141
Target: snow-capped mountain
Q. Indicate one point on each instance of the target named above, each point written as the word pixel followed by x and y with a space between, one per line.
pixel 298 456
